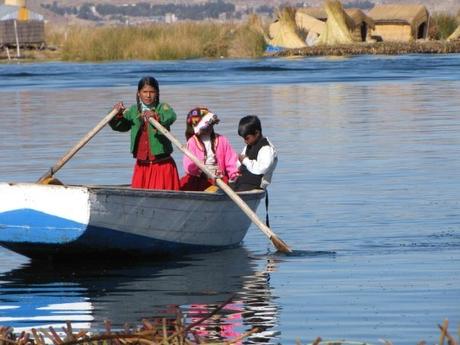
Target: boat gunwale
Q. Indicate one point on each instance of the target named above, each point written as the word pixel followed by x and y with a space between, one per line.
pixel 126 190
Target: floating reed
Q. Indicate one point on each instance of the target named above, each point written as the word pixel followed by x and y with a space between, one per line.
pixel 379 48
pixel 160 331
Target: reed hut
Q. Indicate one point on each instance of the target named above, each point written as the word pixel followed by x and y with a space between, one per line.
pixel 358 23
pixel 310 25
pixel 19 26
pixel 400 23
pixel 362 24
pixel 283 31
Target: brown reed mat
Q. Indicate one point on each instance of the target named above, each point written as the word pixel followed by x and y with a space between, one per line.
pixel 159 332
pixel 379 48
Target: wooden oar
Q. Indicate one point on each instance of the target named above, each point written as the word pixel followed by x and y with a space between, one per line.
pixel 60 163
pixel 277 242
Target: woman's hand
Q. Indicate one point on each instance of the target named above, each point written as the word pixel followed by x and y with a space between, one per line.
pixel 150 113
pixel 120 109
pixel 241 157
pixel 219 173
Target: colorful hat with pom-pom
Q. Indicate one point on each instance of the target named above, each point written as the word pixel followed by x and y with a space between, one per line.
pixel 195 115
pixel 200 118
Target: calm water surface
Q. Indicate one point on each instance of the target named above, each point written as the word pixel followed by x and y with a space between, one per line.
pixel 369 169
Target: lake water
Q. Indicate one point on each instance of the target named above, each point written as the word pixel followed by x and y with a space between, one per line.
pixel 369 169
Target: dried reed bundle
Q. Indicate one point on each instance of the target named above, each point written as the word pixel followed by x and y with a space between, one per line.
pixel 455 35
pixel 283 32
pixel 338 25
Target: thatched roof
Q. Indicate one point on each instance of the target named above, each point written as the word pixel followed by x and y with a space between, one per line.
pixel 358 17
pixel 413 15
pixel 354 17
pixel 309 23
pixel 315 12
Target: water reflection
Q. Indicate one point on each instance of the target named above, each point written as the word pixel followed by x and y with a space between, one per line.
pixel 87 294
pixel 259 305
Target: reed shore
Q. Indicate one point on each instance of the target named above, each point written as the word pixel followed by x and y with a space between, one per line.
pixel 194 40
pixel 381 48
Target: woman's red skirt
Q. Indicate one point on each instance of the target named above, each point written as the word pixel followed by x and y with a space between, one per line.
pixel 197 183
pixel 156 175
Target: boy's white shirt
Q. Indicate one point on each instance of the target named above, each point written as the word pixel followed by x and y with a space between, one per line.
pixel 265 164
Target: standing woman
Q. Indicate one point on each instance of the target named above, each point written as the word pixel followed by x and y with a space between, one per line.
pixel 154 168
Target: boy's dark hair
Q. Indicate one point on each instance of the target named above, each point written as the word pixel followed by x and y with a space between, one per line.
pixel 249 125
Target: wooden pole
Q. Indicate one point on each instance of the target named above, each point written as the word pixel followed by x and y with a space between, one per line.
pixel 8 53
pixel 425 34
pixel 18 50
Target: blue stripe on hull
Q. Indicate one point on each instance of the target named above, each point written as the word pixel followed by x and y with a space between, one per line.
pixel 104 242
pixel 26 225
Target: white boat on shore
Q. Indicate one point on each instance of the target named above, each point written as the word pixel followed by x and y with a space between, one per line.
pixel 39 220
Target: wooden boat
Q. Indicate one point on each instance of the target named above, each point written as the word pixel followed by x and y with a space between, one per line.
pixel 53 220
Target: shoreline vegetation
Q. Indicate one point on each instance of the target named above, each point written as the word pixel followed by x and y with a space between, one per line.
pixel 207 39
pixel 181 40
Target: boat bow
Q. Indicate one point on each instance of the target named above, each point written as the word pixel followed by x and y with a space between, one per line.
pixel 42 213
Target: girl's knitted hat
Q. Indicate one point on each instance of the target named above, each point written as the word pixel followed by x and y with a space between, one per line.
pixel 200 118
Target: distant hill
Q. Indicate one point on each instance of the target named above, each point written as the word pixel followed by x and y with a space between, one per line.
pixel 432 4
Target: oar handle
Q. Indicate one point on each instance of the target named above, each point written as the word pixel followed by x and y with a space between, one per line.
pixel 60 163
pixel 279 244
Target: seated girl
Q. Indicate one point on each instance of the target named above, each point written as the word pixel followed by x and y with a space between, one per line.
pixel 211 148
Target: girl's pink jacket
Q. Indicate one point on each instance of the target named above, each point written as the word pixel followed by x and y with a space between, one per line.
pixel 225 155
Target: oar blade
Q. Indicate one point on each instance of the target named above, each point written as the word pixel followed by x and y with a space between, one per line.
pixel 280 245
pixel 51 180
